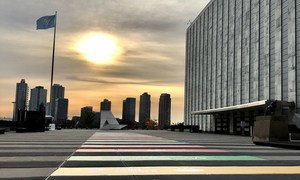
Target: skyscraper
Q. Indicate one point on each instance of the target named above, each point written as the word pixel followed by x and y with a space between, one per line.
pixel 86 116
pixel 145 106
pixel 57 91
pixel 38 96
pixel 21 98
pixel 128 114
pixel 61 110
pixel 164 114
pixel 105 105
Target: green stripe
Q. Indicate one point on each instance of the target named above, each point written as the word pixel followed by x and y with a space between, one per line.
pixel 164 158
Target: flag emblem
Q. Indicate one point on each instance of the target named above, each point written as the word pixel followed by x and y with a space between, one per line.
pixel 46 22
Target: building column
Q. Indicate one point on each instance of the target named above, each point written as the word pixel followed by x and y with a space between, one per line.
pixel 267 49
pixel 278 55
pixel 292 53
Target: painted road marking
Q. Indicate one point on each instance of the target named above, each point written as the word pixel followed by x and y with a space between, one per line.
pixel 266 151
pixel 164 158
pixel 151 150
pixel 142 146
pixel 128 139
pixel 132 140
pixel 177 170
pixel 117 143
pixel 125 136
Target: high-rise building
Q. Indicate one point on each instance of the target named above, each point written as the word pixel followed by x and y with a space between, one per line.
pixel 164 112
pixel 145 107
pixel 105 105
pixel 57 91
pixel 241 53
pixel 86 116
pixel 61 110
pixel 128 113
pixel 20 103
pixel 38 96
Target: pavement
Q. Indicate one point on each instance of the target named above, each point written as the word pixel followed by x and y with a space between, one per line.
pixel 90 154
pixel 37 155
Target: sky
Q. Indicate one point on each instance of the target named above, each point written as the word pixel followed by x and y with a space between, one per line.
pixel 150 35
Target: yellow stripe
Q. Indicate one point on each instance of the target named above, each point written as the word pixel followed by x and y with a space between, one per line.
pixel 177 170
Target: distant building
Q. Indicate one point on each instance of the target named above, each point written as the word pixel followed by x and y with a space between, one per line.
pixel 87 117
pixel 128 113
pixel 57 91
pixel 105 105
pixel 164 114
pixel 108 121
pixel 145 106
pixel 21 98
pixel 38 96
pixel 61 110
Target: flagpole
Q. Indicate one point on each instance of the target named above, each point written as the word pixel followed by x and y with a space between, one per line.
pixel 53 55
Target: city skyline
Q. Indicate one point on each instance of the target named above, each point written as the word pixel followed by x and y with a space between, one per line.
pixel 146 64
pixel 39 95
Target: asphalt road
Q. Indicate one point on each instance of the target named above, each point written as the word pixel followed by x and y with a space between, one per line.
pixel 88 154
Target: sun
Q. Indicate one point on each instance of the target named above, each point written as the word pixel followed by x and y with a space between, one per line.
pixel 98 48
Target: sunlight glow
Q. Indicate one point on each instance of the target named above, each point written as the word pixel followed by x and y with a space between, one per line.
pixel 98 48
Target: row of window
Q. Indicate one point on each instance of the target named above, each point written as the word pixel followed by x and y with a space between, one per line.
pixel 237 52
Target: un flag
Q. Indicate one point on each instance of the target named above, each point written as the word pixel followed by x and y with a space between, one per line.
pixel 46 22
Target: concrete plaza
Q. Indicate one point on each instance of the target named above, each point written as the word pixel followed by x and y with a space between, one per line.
pixel 91 154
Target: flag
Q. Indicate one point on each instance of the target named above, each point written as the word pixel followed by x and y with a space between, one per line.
pixel 46 22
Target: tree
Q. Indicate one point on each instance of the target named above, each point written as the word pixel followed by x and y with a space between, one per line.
pixel 130 124
pixel 86 120
pixel 151 124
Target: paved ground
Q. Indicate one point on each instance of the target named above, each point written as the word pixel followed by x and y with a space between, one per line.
pixel 37 155
pixel 83 154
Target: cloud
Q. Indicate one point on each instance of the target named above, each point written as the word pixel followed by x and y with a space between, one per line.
pixel 150 32
pixel 118 82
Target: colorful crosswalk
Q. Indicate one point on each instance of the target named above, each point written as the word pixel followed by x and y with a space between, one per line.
pixel 121 154
pixel 146 155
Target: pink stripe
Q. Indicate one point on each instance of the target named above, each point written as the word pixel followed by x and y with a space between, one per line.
pixel 142 146
pixel 124 138
pixel 150 150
